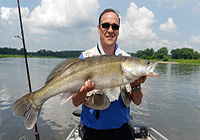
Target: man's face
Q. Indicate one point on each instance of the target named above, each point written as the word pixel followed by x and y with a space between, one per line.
pixel 108 36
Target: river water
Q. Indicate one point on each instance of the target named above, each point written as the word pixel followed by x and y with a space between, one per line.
pixel 171 102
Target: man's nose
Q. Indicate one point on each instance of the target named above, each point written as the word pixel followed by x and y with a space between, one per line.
pixel 110 29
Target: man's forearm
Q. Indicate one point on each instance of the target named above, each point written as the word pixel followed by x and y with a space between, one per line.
pixel 78 98
pixel 136 97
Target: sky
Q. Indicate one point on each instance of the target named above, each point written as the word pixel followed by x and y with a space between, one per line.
pixel 60 25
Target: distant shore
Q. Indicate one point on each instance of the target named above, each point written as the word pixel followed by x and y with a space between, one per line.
pixel 166 62
pixel 170 61
pixel 179 61
pixel 18 56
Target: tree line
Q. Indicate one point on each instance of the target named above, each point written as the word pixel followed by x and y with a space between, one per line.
pixel 162 53
pixel 42 52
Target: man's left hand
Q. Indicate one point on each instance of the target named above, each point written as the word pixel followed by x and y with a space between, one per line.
pixel 138 81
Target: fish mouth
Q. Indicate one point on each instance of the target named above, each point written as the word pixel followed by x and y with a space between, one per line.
pixel 151 70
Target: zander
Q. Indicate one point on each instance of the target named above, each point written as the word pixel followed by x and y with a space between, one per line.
pixel 107 72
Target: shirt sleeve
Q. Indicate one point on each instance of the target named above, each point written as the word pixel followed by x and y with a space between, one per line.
pixel 81 56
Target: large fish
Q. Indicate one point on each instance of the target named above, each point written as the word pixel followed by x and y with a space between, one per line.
pixel 106 72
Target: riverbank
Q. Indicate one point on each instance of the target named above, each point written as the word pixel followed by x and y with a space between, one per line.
pixel 5 56
pixel 180 61
pixel 166 62
pixel 170 61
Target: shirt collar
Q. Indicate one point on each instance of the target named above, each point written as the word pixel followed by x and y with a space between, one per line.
pixel 117 49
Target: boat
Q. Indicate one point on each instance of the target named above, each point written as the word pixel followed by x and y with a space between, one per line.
pixel 140 130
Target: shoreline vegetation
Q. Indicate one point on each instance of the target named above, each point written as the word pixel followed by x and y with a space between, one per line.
pixel 180 61
pixel 170 61
pixel 177 56
pixel 19 56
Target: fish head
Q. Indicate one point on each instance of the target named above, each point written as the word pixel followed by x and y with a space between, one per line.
pixel 141 67
pixel 136 67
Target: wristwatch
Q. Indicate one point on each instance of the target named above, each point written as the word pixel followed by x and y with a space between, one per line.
pixel 135 89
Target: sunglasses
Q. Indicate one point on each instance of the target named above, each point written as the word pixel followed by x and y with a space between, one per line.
pixel 107 26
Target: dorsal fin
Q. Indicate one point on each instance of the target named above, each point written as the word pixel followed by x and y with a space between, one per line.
pixel 63 64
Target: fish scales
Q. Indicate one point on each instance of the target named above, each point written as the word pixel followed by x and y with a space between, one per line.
pixel 104 69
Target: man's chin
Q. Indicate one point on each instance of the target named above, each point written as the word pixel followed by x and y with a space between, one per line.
pixel 110 42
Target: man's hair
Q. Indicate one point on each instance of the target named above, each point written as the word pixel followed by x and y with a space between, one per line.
pixel 109 10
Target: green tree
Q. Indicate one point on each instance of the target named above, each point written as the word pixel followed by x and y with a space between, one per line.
pixel 139 53
pixel 153 56
pixel 21 51
pixel 145 54
pixel 161 53
pixel 175 54
pixel 165 58
pixel 149 52
pixel 196 55
pixel 187 53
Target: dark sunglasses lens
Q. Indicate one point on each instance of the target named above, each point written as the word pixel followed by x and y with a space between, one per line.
pixel 106 25
pixel 115 27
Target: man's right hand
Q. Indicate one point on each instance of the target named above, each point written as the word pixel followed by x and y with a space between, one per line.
pixel 88 86
pixel 80 96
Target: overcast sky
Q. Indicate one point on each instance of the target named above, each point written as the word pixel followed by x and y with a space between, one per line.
pixel 72 24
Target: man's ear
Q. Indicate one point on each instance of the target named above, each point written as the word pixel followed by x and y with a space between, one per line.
pixel 98 29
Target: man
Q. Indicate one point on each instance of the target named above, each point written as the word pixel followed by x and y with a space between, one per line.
pixel 109 120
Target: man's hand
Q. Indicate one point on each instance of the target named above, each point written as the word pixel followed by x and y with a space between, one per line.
pixel 88 86
pixel 138 81
pixel 80 96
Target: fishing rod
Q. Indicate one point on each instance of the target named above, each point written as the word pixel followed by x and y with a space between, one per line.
pixel 37 137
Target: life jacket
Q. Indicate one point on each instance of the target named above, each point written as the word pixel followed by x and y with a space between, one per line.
pixel 98 100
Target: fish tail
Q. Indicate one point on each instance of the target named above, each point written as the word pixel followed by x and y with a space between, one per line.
pixel 26 108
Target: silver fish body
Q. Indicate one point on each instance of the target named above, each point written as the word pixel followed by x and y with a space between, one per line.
pixel 107 71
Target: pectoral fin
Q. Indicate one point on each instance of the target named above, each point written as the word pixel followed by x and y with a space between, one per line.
pixel 112 93
pixel 65 97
